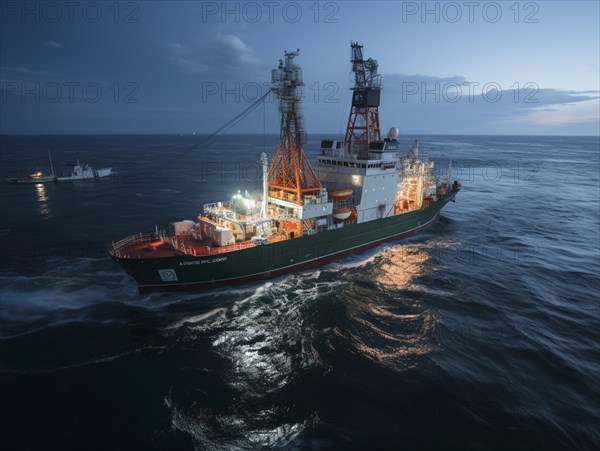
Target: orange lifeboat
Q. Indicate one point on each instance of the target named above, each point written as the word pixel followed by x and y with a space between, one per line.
pixel 340 194
pixel 341 214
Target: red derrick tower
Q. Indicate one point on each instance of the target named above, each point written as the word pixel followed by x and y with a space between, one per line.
pixel 363 123
pixel 290 175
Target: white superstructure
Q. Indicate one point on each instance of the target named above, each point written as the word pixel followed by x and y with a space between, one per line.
pixel 379 183
pixel 84 171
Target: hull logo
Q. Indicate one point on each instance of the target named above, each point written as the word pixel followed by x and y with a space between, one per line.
pixel 168 275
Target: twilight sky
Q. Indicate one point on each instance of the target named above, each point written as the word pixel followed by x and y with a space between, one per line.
pixel 182 67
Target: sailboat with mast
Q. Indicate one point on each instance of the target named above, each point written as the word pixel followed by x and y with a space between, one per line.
pixel 37 177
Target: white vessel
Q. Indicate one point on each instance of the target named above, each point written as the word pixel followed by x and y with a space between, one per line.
pixel 84 172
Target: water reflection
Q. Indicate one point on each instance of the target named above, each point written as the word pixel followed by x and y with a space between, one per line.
pixel 41 192
pixel 392 326
pixel 42 197
pixel 400 265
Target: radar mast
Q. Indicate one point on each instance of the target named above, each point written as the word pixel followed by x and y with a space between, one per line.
pixel 363 123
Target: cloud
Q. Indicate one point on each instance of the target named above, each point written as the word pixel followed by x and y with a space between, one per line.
pixel 458 89
pixel 25 73
pixel 459 105
pixel 562 97
pixel 224 54
pixel 53 45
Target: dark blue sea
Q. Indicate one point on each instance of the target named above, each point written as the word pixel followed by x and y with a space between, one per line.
pixel 480 333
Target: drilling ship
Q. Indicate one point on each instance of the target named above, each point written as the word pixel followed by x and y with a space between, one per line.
pixel 364 192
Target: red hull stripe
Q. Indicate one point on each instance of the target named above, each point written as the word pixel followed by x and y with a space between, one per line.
pixel 280 271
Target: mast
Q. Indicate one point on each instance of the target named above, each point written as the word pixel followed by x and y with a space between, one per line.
pixel 291 175
pixel 363 123
pixel 421 178
pixel 264 158
pixel 51 165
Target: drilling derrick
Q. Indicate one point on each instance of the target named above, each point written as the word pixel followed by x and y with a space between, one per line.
pixel 363 123
pixel 291 176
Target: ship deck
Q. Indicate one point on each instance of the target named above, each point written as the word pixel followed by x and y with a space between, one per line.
pixel 153 247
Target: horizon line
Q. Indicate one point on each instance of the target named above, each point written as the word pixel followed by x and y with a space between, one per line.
pixel 276 134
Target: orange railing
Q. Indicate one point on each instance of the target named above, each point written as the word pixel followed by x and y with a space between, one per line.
pixel 132 239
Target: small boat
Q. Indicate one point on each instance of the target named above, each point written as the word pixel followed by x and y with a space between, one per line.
pixel 36 177
pixel 341 214
pixel 84 171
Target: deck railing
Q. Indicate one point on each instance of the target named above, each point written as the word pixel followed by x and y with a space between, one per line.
pixel 132 239
pixel 177 244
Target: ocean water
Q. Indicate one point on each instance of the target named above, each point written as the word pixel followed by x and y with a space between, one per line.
pixel 480 333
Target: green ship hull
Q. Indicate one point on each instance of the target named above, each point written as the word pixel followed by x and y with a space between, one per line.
pixel 187 272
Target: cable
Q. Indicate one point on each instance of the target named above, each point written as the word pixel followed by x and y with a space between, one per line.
pixel 229 123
